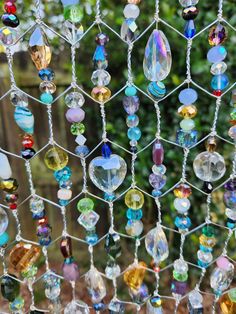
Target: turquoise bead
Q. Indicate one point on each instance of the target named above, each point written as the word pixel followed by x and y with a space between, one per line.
pixel 134 214
pixel 46 98
pixel 219 82
pixel 130 91
pixel 134 133
pixel 4 238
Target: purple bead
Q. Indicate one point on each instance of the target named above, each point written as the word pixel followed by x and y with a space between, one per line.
pixel 230 199
pixel 43 230
pixel 70 271
pixel 75 115
pixel 157 153
pixel 230 185
pixel 102 39
pixel 179 287
pixel 216 54
pixel 156 181
pixel 131 104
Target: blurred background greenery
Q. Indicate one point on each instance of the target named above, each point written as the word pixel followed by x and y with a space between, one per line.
pixel 27 80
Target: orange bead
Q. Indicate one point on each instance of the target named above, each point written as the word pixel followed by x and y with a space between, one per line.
pixel 134 276
pixel 182 191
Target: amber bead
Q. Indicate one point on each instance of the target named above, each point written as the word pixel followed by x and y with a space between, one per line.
pixel 182 191
pixel 207 241
pixel 187 111
pixel 101 93
pixel 9 185
pixel 211 144
pixel 134 277
pixel 227 306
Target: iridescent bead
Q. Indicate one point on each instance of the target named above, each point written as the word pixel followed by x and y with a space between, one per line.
pixel 189 29
pixel 88 219
pixel 100 64
pixel 182 191
pixel 188 96
pixel 4 238
pixel 130 91
pixel 134 133
pixel 19 99
pixel 74 100
pixel 230 185
pixel 219 82
pixel 159 169
pixel 218 68
pixel 230 199
pixel 183 223
pixel 205 257
pixel 187 111
pixel 75 115
pixel 91 237
pixel 187 3
pixel 100 78
pixel 7 36
pixel 17 304
pixel 70 271
pixel 157 181
pixel 64 194
pixel 56 158
pixel 101 93
pixel 132 120
pixel 47 87
pixel 180 266
pixel 9 185
pixel 186 139
pixel 77 128
pixel 10 20
pixel 180 277
pixel 134 199
pixel 46 98
pixel 156 89
pixel 10 288
pixel 46 74
pixel 134 228
pixel 102 39
pixel 10 7
pixel 63 174
pixel 82 151
pixel 190 13
pixel 27 153
pixel 134 275
pixel 182 205
pixel 206 241
pixel 216 54
pixel 217 35
pixel 178 287
pixel 187 124
pixel 131 11
pixel 232 132
pixel 131 104
pixel 85 205
pixel 134 214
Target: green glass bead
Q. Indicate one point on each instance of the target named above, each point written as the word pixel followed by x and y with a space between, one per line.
pixel 77 128
pixel 233 114
pixel 73 13
pixel 46 98
pixel 10 288
pixel 30 272
pixel 180 277
pixel 130 91
pixel 17 304
pixel 85 205
pixel 208 231
pixel 232 294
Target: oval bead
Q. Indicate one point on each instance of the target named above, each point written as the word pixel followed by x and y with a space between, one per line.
pixel 157 153
pixel 75 115
pixel 10 288
pixel 24 119
pixel 3 221
pixel 188 96
pixel 5 168
pixel 216 54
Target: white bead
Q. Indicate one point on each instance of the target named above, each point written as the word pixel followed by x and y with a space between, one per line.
pixel 80 139
pixel 64 194
pixel 182 205
pixel 187 124
pixel 180 266
pixel 131 11
pixel 5 168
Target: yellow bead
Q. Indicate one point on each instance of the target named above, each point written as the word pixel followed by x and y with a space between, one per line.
pixel 101 93
pixel 182 191
pixel 23 255
pixel 9 185
pixel 207 241
pixel 226 305
pixel 134 276
pixel 56 158
pixel 134 199
pixel 187 111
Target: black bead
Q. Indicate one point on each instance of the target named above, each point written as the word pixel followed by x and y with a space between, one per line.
pixel 27 153
pixel 207 187
pixel 133 149
pixel 10 20
pixel 190 13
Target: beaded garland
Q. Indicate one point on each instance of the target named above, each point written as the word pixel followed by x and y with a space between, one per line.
pixel 108 171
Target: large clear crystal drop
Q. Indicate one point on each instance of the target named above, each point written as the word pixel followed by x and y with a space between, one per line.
pixel 156 244
pixel 157 58
pixel 76 307
pixel 95 285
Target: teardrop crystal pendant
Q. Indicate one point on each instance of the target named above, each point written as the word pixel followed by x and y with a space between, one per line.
pixel 95 285
pixel 39 49
pixel 157 245
pixel 157 58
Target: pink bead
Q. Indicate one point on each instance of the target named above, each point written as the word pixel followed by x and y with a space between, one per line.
pixel 70 271
pixel 75 115
pixel 222 262
pixel 157 153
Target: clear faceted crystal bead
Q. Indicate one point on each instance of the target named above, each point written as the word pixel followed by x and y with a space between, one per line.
pixel 187 3
pixel 7 36
pixel 180 266
pixel 230 213
pixel 19 99
pixel 195 299
pixel 112 271
pixel 74 100
pixel 73 32
pixel 205 257
pixel 36 205
pixel 101 78
pixel 129 30
pixel 3 221
pixel 76 307
pixel 209 166
pixel 88 219
pixel 218 68
pixel 182 205
pixel 221 279
pixel 95 285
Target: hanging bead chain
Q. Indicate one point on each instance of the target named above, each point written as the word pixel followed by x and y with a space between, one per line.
pixel 129 28
pixel 189 13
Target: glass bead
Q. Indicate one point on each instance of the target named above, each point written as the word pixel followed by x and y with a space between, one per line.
pixel 217 35
pixel 195 298
pixel 178 287
pixel 227 305
pixel 73 32
pixel 17 304
pixel 141 295
pixel 219 82
pixel 74 115
pixel 4 238
pixel 63 174
pixel 46 98
pixel 100 54
pixel 209 166
pixel 36 205
pixel 182 205
pixel 70 2
pixel 134 133
pixel 95 285
pixel 157 57
pixel 47 87
pixel 112 245
pixel 39 49
pixel 10 7
pixel 10 20
pixel 77 128
pixel 131 104
pixel 233 114
pixel 180 277
pixel 9 185
pixel 88 219
pixel 187 111
pixel 73 13
pixel 134 275
pixel 157 181
pixel 190 13
pixel 19 99
pixel 208 231
pixel 187 3
pixel 232 132
pixel 134 228
pixel 70 271
pixel 24 119
pixel 46 74
pixel 182 191
pixel 131 11
pixel 132 120
pixel 134 214
pixel 208 242
pixel 74 307
pixel 186 139
pixel 102 39
pixel 101 94
pixel 106 150
pixel 216 54
pixel 134 199
pixel 232 294
pixel 230 185
pixel 233 98
pixel 99 306
pixel 56 159
pixel 100 64
pixel 157 153
pixel 100 78
pixel 187 124
pixel 52 292
pixel 112 271
pixel 183 223
pixel 80 139
pixel 180 266
pixel 27 141
pixel 85 205
pixel 189 29
pixel 27 153
pixel 156 90
pixel 218 68
pixel 8 36
pixel 74 100
pixel 188 96
pixel 64 194
pixel 3 221
pixel 5 167
pixel 230 199
pixel 130 91
pixel 82 151
pixel 10 288
pixel 205 257
pixel 156 193
pixel 211 144
pixel 221 278
pixel 160 169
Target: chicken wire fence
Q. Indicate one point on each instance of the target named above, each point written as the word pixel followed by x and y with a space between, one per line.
pixel 132 156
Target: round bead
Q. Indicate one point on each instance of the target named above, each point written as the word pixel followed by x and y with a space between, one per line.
pixel 4 238
pixel 216 54
pixel 183 223
pixel 17 304
pixel 19 99
pixel 75 115
pixel 188 96
pixel 27 153
pixel 132 120
pixel 73 13
pixel 134 228
pixel 85 205
pixel 187 3
pixel 27 141
pixel 134 133
pixel 47 87
pixel 156 89
pixel 219 82
pixel 182 205
pixel 232 132
pixel 64 194
pixel 130 91
pixel 180 266
pixel 190 13
pixel 102 39
pixel 74 100
pixel 77 128
pixel 56 159
pixel 100 78
pixel 218 68
pixel 180 277
pixel 46 98
pixel 134 214
pixel 182 191
pixel 63 174
pixel 10 7
pixel 46 74
pixel 82 150
pixel 157 181
pixel 187 124
pixel 101 93
pixel 159 169
pixel 10 20
pixel 187 111
pixel 134 199
pixel 205 257
pixel 131 11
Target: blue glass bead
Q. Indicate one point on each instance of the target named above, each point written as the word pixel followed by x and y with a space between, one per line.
pixel 91 238
pixel 134 214
pixel 156 89
pixel 188 96
pixel 63 174
pixel 69 2
pixel 186 139
pixel 63 202
pixel 46 98
pixel 99 306
pixel 46 74
pixel 82 151
pixel 65 184
pixel 17 304
pixel 219 82
pixel 205 249
pixel 156 193
pixel 202 264
pixel 230 225
pixel 132 120
pixel 182 222
pixel 130 91
pixel 45 241
pixel 216 54
pixel 134 133
pixel 109 197
pixel 37 216
pixel 189 29
pixel 4 238
pixel 99 54
pixel 69 260
pixel 106 150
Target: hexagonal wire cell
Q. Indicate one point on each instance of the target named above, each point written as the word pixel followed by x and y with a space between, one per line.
pixel 133 247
